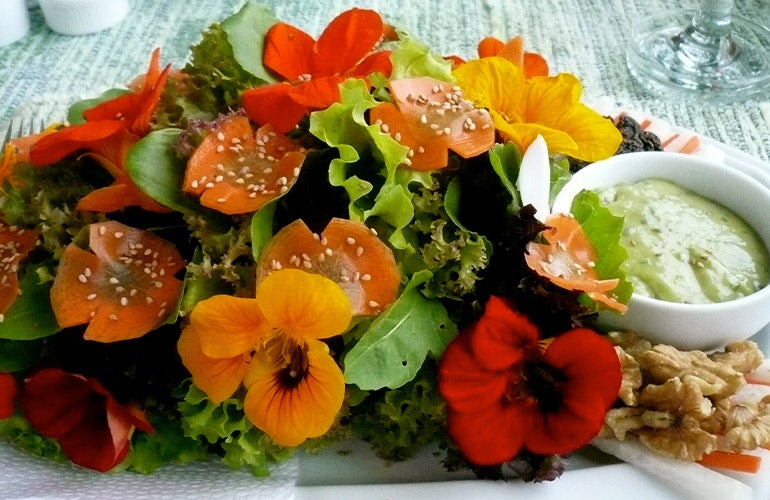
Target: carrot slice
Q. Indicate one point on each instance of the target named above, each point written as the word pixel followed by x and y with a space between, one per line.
pixel 567 261
pixel 739 462
pixel 430 117
pixel 124 289
pixel 236 171
pixel 347 252
pixel 15 245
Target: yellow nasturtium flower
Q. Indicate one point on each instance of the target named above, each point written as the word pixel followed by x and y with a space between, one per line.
pixel 271 344
pixel 523 108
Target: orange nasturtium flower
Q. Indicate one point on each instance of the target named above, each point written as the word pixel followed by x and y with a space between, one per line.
pixel 507 390
pixel 124 289
pixel 430 117
pixel 533 64
pixel 110 131
pixel 271 344
pixel 567 259
pixel 523 108
pixel 15 245
pixel 312 70
pixel 236 170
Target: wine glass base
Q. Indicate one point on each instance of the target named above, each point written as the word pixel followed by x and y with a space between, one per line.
pixel 662 63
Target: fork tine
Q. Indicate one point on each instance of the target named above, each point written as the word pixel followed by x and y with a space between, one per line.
pixel 9 132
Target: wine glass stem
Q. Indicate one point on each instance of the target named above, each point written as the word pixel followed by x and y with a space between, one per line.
pixel 706 42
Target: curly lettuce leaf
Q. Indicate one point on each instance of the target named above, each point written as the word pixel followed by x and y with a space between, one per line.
pixel 412 59
pixel 375 185
pixel 603 230
pixel 168 444
pixel 394 348
pixel 225 426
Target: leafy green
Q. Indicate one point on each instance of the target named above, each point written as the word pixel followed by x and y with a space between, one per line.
pixel 392 350
pixel 603 230
pixel 412 59
pixel 398 422
pixel 506 161
pixel 19 432
pixel 167 444
pixel 30 317
pixel 226 426
pixel 18 355
pixel 246 32
pixel 262 228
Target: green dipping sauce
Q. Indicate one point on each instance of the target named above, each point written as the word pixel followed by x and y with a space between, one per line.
pixel 683 247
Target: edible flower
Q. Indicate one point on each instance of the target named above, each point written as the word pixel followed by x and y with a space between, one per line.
pixel 109 132
pixel 567 259
pixel 523 108
pixel 237 171
pixel 123 289
pixel 271 344
pixel 506 391
pixel 9 388
pixel 15 245
pixel 92 428
pixel 533 64
pixel 312 70
pixel 430 117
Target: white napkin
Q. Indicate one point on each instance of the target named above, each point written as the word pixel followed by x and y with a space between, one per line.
pixel 24 476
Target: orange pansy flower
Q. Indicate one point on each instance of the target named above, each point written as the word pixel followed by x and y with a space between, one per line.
pixel 15 245
pixel 430 117
pixel 110 131
pixel 312 69
pixel 270 344
pixel 236 171
pixel 532 63
pixel 347 252
pixel 567 260
pixel 123 290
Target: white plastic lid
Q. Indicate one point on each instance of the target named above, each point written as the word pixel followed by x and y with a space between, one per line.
pixel 80 17
pixel 14 21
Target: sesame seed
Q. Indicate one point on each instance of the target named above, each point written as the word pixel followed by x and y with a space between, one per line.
pixel 118 234
pixel 91 296
pixel 359 251
pixel 220 148
pixel 350 240
pixel 102 230
pixel 82 278
pixel 221 136
pixel 366 277
pixel 373 303
pixel 124 301
pixel 114 317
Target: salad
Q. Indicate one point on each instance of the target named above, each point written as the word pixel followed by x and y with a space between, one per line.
pixel 290 241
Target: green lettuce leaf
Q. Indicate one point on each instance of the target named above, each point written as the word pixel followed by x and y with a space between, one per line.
pixel 412 59
pixel 393 349
pixel 246 32
pixel 506 161
pixel 30 317
pixel 603 230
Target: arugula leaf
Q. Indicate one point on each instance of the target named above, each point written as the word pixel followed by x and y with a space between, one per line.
pixel 394 348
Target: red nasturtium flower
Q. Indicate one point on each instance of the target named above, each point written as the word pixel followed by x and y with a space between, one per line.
pixel 312 70
pixel 124 289
pixel 15 245
pixel 110 130
pixel 347 252
pixel 271 344
pixel 567 258
pixel 532 63
pixel 92 428
pixel 430 117
pixel 8 391
pixel 236 170
pixel 507 391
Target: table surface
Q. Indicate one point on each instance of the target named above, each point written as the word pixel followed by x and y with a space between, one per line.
pixel 43 71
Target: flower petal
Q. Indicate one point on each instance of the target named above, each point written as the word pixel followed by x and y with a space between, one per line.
pixel 54 147
pixel 346 41
pixel 501 337
pixel 272 104
pixel 15 245
pixel 304 305
pixel 290 415
pixel 8 391
pixel 228 326
pixel 491 436
pixel 219 378
pixel 288 51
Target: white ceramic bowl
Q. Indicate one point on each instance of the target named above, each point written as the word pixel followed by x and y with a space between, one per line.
pixel 686 326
